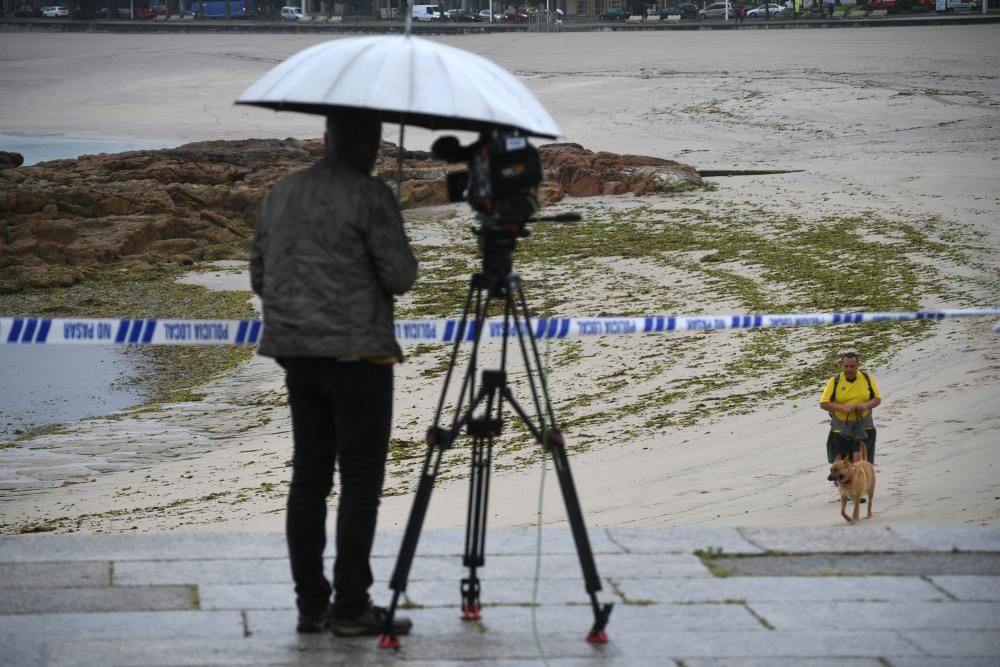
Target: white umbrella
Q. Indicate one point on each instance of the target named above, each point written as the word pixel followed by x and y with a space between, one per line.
pixel 407 80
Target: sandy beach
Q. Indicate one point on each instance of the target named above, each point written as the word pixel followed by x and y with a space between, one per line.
pixel 898 128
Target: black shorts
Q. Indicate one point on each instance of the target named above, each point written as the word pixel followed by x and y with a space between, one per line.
pixel 844 448
pixel 837 447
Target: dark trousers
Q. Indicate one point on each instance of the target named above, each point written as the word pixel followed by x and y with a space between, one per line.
pixel 837 446
pixel 341 412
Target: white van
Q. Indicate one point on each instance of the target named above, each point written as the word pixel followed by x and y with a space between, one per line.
pixel 291 13
pixel 426 12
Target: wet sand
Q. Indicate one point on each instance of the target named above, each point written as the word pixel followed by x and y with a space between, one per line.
pixel 902 121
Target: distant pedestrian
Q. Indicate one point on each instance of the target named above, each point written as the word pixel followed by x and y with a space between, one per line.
pixel 796 8
pixel 850 396
pixel 829 8
pixel 741 14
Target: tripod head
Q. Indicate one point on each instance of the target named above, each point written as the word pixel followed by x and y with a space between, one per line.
pixel 498 239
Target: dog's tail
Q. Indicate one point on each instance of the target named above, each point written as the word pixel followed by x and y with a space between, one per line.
pixel 864 450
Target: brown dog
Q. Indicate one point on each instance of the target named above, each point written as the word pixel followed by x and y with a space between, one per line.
pixel 853 481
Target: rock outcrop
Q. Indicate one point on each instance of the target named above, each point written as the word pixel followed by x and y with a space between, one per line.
pixel 8 160
pixel 199 201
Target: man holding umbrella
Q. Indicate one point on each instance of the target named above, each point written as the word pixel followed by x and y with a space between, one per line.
pixel 329 253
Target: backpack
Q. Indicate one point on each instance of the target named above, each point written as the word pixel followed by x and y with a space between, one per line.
pixel 836 381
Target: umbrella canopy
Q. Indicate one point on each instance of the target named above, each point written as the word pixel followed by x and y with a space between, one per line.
pixel 407 80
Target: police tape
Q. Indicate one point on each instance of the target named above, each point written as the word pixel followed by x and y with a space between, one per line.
pixel 56 331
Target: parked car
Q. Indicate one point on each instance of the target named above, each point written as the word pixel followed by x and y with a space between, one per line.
pixel 716 10
pixel 512 15
pixel 54 12
pixel 613 14
pixel 685 11
pixel 461 15
pixel 486 15
pixel 291 13
pixel 764 11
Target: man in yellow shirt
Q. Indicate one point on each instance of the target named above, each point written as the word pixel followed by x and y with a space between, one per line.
pixel 848 396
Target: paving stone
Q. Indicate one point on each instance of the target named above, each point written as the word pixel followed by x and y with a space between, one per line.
pixel 450 569
pixel 652 565
pixel 958 643
pixel 121 625
pixel 937 661
pixel 681 539
pixel 150 546
pixel 440 568
pixel 507 591
pixel 246 596
pixel 764 644
pixel 906 615
pixel 919 564
pixel 792 589
pixel 54 575
pixel 615 661
pixel 323 650
pixel 244 587
pixel 553 566
pixel 950 538
pixel 424 592
pixel 499 541
pixel 835 540
pixel 196 652
pixel 970 588
pixel 446 621
pixel 21 654
pixel 200 572
pixel 114 598
pixel 554 541
pixel 277 570
pixel 786 662
pixel 593 661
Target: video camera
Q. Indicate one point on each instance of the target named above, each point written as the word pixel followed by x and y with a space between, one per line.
pixel 504 170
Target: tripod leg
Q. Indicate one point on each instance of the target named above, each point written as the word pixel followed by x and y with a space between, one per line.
pixel 408 548
pixel 475 525
pixel 592 581
pixel 438 440
pixel 550 437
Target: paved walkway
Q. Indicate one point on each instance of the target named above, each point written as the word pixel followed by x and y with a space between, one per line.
pixel 850 597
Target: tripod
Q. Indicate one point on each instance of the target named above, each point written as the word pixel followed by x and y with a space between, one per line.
pixel 496 283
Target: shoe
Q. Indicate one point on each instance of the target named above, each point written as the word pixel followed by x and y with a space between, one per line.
pixel 370 622
pixel 313 623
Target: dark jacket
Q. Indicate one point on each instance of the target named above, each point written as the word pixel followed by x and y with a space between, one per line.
pixel 329 253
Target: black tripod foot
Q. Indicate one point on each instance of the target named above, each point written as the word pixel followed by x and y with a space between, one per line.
pixel 388 641
pixel 471 612
pixel 470 600
pixel 597 637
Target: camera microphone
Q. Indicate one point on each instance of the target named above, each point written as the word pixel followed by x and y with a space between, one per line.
pixel 450 150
